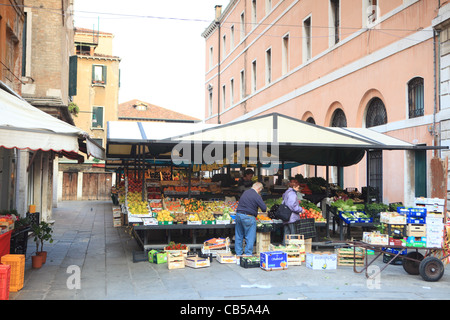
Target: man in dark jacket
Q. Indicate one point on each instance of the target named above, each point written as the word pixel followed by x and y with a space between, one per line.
pixel 246 213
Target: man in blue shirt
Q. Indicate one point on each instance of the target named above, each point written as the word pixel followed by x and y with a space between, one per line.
pixel 246 213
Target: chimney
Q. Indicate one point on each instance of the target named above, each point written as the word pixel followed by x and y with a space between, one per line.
pixel 218 12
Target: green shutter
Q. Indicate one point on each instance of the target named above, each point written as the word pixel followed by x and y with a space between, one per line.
pixel 420 175
pixel 73 65
pixel 104 74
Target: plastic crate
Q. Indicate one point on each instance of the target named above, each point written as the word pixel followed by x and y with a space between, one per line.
pixel 5 275
pixel 19 241
pixel 249 262
pixel 17 263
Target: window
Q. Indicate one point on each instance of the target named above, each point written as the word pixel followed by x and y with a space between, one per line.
pixel 210 102
pixel 311 120
pixel 334 21
pixel 268 66
pixel 242 84
pixel 242 26
pixel 415 97
pixel 254 77
pixel 232 37
pixel 254 13
pixel 73 66
pixel 224 97
pixel 231 92
pixel 372 11
pixel 285 55
pixel 98 141
pixel 211 52
pixel 307 39
pixel 339 119
pixel 224 45
pixel 98 74
pixel 268 6
pixel 97 117
pixel 376 113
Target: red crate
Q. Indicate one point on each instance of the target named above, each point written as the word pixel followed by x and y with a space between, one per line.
pixel 5 274
pixel 17 263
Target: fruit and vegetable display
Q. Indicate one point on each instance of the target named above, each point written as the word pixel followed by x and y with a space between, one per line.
pixel 224 217
pixel 312 213
pixel 155 205
pixel 175 246
pixel 192 217
pixel 206 216
pixel 179 217
pixel 164 215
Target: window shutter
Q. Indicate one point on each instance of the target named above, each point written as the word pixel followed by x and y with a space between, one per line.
pixel 73 66
pixel 93 73
pixel 104 74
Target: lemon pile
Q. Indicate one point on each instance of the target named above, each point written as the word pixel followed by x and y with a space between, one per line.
pixel 164 215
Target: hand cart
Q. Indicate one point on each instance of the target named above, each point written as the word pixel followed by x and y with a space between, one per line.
pixel 430 265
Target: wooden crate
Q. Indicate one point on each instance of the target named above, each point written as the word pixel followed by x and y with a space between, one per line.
pixel 294 239
pixel 296 254
pixel 262 242
pixel 346 257
pixel 416 230
pixel 175 260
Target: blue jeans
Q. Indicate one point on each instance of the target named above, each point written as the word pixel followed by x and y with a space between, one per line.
pixel 245 229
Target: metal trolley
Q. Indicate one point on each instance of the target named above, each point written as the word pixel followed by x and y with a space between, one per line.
pixel 429 265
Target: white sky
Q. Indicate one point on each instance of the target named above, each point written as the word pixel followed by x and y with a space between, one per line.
pixel 163 55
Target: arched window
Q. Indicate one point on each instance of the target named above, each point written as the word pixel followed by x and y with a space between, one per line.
pixel 415 97
pixel 376 113
pixel 338 119
pixel 311 120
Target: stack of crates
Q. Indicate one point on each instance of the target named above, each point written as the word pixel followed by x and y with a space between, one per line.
pixel 5 275
pixel 17 263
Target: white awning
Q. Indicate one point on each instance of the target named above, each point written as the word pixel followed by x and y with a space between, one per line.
pixel 293 140
pixel 24 126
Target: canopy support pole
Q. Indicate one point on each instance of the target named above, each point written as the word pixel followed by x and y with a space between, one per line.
pixel 189 180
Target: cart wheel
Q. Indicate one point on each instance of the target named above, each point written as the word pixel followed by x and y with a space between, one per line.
pixel 431 269
pixel 412 267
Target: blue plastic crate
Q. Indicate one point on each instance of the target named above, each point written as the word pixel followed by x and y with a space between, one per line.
pixel 417 212
pixel 415 220
pixel 403 210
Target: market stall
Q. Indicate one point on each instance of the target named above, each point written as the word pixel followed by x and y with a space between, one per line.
pixel 261 141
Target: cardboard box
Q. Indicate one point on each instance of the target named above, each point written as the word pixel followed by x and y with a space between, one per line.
pixel 273 260
pixel 117 222
pixel 397 242
pixel 416 242
pixel 157 257
pixel 321 261
pixel 197 262
pixel 375 238
pixel 216 243
pixel 226 258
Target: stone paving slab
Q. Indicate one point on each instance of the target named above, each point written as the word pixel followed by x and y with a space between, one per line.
pixel 84 237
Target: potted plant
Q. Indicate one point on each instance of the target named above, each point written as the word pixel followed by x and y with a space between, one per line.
pixel 42 232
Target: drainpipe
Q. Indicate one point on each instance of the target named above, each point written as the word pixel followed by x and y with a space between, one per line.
pixel 217 20
pixel 437 91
